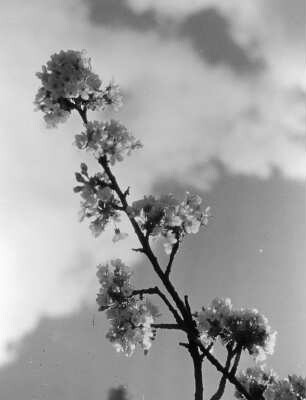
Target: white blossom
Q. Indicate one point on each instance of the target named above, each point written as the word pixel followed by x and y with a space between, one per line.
pixel 168 218
pixel 110 139
pixel 246 328
pixel 68 83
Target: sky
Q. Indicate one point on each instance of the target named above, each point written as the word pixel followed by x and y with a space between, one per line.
pixel 214 89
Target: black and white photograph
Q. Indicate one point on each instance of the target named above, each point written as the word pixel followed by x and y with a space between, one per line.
pixel 152 202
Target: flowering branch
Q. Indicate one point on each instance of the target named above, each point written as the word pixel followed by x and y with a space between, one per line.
pixel 68 83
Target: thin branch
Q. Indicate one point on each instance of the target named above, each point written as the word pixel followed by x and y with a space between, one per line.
pixel 83 113
pixel 126 192
pixel 171 258
pixel 139 250
pixel 228 375
pixel 184 345
pixel 236 361
pixel 156 290
pixel 221 388
pixel 187 305
pixel 208 348
pixel 145 243
pixel 141 292
pixel 166 326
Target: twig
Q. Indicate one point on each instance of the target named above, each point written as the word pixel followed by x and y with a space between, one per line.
pixel 228 375
pixel 222 384
pixel 157 291
pixel 236 361
pixel 166 326
pixel 171 258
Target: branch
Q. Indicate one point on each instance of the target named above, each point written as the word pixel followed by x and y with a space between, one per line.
pixel 166 326
pixel 145 243
pixel 220 391
pixel 236 361
pixel 187 305
pixel 156 290
pixel 83 113
pixel 228 375
pixel 171 258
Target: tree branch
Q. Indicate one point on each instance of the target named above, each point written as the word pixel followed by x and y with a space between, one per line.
pixel 220 391
pixel 228 375
pixel 166 326
pixel 171 258
pixel 156 290
pixel 145 242
pixel 236 361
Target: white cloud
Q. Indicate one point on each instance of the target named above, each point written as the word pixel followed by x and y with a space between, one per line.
pixel 186 112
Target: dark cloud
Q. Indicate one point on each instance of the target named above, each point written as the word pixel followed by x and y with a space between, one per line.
pixel 116 13
pixel 210 34
pixel 208 31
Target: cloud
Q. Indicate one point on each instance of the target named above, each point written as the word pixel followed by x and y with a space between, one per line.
pixel 191 115
pixel 118 14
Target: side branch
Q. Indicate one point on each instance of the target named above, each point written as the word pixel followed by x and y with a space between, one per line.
pixel 223 370
pixel 236 361
pixel 222 384
pixel 145 242
pixel 157 291
pixel 171 258
pixel 167 326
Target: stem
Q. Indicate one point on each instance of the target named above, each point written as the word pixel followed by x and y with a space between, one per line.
pixel 236 362
pixel 166 326
pixel 157 291
pixel 228 375
pixel 144 241
pixel 220 391
pixel 197 369
pixel 171 258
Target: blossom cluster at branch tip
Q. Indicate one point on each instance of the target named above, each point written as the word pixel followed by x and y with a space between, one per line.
pixel 255 380
pixel 168 218
pixel 291 388
pixel 245 328
pixel 110 139
pixel 131 317
pixel 261 383
pixel 67 83
pixel 98 202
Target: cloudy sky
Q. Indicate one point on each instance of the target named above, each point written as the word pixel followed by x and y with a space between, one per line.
pixel 214 89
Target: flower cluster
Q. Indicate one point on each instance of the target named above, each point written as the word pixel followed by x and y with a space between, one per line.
pixel 293 388
pixel 246 328
pixel 131 318
pixel 67 83
pixel 168 218
pixel 131 324
pixel 255 380
pixel 110 139
pixel 99 203
pixel 260 383
pixel 115 281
